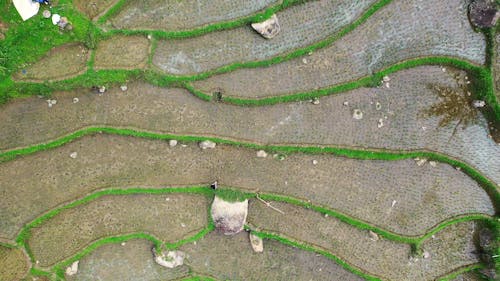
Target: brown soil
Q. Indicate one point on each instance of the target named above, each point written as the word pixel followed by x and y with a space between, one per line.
pixel 60 63
pixel 94 9
pixel 423 198
pixel 451 249
pixel 13 264
pixel 132 261
pixel 173 15
pixel 232 258
pixel 122 52
pixel 143 106
pixel 168 217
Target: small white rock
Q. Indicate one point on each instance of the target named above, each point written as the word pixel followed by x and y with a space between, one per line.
pixel 207 144
pixel 183 225
pixel 478 103
pixel 357 114
pixel 315 162
pixel 443 69
pixel 304 61
pixel 387 85
pixel 386 78
pixel 76 100
pixel 261 154
pixel 380 123
pixel 73 155
pixel 315 101
pixel 373 235
pixel 123 88
pixel 378 106
pixel 393 203
pixel 55 19
pixel 433 163
pixel 426 255
pixel 102 89
pixel 172 143
pixel 171 260
pixel 73 269
pixel 149 37
pixel 123 243
pixel 257 243
pixel 420 161
pixel 346 103
pixel 326 216
pixel 46 14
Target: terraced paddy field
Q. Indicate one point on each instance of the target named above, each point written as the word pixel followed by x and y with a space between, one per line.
pixel 250 140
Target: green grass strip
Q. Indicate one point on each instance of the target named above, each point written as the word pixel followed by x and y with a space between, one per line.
pixel 39 272
pixel 60 267
pixel 490 187
pixel 460 271
pixel 306 247
pixel 199 278
pixel 257 17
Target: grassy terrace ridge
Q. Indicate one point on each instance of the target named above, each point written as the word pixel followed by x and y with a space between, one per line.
pixel 228 194
pixel 356 153
pixel 452 275
pixel 207 28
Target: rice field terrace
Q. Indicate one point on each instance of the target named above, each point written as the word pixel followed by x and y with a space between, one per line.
pixel 250 140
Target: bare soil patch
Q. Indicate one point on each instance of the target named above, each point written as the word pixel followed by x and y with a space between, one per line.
pixel 469 276
pixel 302 25
pixel 232 258
pixel 173 15
pixel 120 52
pixel 401 30
pixel 452 247
pixel 168 217
pixel 423 196
pixel 60 63
pixel 13 264
pixel 131 261
pixel 401 108
pixel 94 9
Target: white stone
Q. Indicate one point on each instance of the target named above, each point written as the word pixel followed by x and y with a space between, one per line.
pixel 123 88
pixel 433 163
pixel 257 243
pixel 207 144
pixel 304 61
pixel 261 154
pixel 387 85
pixel 478 103
pixel 171 260
pixel 46 14
pixel 73 269
pixel 373 235
pixel 357 114
pixel 315 162
pixel 172 143
pixel 380 123
pixel 393 203
pixel 378 106
pixel 102 89
pixel 386 78
pixel 55 19
pixel 76 100
pixel 315 101
pixel 229 217
pixel 73 155
pixel 346 103
pixel 421 161
pixel 268 28
pixel 426 255
pixel 123 243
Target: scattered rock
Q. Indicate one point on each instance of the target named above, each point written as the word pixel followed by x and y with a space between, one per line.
pixel 373 235
pixel 261 154
pixel 443 69
pixel 304 61
pixel 346 103
pixel 387 85
pixel 46 14
pixel 171 260
pixel 76 100
pixel 102 89
pixel 433 163
pixel 206 144
pixel 378 106
pixel 315 162
pixel 172 143
pixel 326 215
pixel 357 114
pixel 214 185
pixel 63 22
pixel 315 101
pixel 73 155
pixel 380 123
pixel 69 27
pixel 73 269
pixel 393 203
pixel 268 28
pixel 55 19
pixel 426 255
pixel 257 243
pixel 149 37
pixel 51 102
pixel 478 103
pixel 483 13
pixel 386 78
pixel 229 217
pixel 124 88
pixel 420 161
pixel 123 243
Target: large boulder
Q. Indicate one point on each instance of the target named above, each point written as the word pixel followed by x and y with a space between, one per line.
pixel 229 217
pixel 268 28
pixel 484 13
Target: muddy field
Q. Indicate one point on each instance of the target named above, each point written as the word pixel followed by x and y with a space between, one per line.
pixel 384 39
pixel 302 25
pixel 392 193
pixel 13 264
pixel 173 15
pixel 169 217
pixel 400 109
pixel 122 52
pixel 93 9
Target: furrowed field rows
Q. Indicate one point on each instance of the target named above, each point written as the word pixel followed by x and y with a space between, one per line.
pixel 169 217
pixel 387 37
pixel 400 196
pixel 449 249
pixel 173 15
pixel 393 118
pixel 301 25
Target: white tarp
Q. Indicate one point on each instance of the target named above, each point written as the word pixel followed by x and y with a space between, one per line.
pixel 26 8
